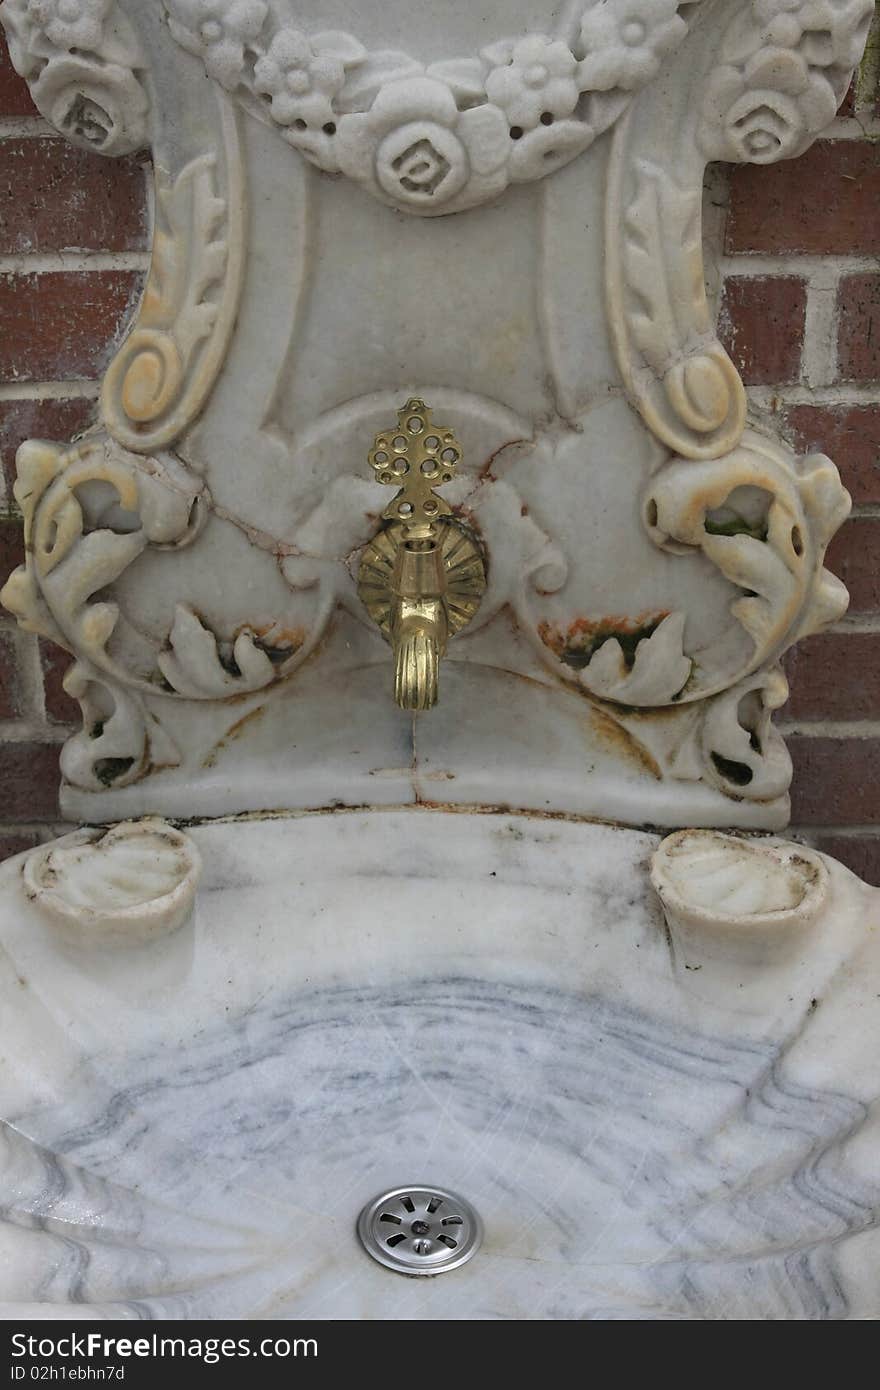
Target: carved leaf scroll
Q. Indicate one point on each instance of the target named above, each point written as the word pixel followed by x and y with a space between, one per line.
pixel 727 741
pixel 775 556
pixel 119 741
pixel 765 92
pixel 64 565
pixel 162 375
pixel 658 673
pixel 683 382
pixel 192 666
pixel 742 752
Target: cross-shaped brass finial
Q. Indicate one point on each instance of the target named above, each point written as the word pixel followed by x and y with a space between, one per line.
pixel 420 456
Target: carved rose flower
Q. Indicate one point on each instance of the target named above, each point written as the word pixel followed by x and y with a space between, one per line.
pixel 71 23
pixel 302 75
pixel 20 32
pixel 415 149
pixel 537 78
pixel 217 31
pixel 770 109
pixel 828 32
pixel 625 41
pixel 97 105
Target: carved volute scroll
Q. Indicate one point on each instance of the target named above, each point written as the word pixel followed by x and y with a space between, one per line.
pixel 756 84
pixel 503 217
pixel 163 375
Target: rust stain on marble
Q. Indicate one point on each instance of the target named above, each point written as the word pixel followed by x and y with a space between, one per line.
pixel 577 644
pixel 234 732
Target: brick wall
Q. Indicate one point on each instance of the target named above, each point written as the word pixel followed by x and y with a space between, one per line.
pixel 800 314
pixel 74 239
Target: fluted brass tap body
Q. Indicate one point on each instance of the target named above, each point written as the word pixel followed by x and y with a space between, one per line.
pixel 423 576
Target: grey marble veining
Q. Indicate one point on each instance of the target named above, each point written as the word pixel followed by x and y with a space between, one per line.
pixel 207 1115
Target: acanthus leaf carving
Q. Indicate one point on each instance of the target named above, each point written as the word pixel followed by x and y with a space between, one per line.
pixel 764 93
pixel 742 751
pixel 764 519
pixel 161 377
pixel 193 667
pixel 727 741
pixel 657 674
pixel 685 385
pixel 49 595
pixel 85 67
pixel 78 544
pixel 119 742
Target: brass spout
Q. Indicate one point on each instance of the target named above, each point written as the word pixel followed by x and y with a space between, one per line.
pixel 417 665
pixel 419 623
pixel 422 577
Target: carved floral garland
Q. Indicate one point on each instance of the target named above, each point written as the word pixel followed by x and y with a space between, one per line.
pixel 446 136
pixel 442 137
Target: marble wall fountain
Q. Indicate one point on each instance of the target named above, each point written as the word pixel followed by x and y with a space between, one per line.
pixel 426 542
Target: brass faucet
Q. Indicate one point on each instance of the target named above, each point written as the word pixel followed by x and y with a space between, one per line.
pixel 423 575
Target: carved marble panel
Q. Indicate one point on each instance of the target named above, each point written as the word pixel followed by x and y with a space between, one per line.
pixel 499 213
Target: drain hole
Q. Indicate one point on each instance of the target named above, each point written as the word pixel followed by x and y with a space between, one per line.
pixel 404 1229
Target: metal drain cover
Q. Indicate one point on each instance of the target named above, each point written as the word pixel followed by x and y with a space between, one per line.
pixel 420 1230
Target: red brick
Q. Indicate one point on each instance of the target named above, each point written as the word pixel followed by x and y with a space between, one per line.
pixel 762 327
pixel 824 202
pixel 56 420
pixel 854 556
pixel 15 99
pixel 835 675
pixel 858 338
pixel 29 781
pixel 849 434
pixel 55 197
pixel 60 708
pixel 836 781
pixel 64 324
pixel 11 549
pixel 9 695
pixel 17 843
pixel 861 853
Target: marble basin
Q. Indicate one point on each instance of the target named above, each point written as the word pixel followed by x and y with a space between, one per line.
pixel 650 1126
